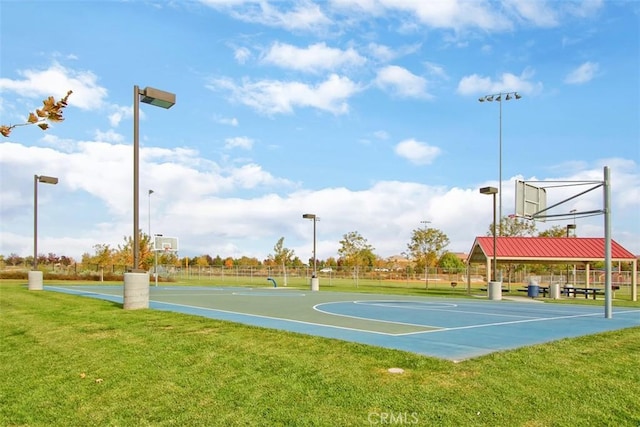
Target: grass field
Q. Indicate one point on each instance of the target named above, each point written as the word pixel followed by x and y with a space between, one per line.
pixel 73 361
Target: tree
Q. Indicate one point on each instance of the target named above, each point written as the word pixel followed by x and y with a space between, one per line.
pixel 203 261
pixel 514 226
pixel 50 112
pixel 282 256
pixel 450 262
pixel 355 251
pixel 555 231
pixel 103 255
pixel 14 259
pixel 124 254
pixel 427 246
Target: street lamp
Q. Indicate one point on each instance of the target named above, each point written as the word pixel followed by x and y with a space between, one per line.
pixel 315 283
pixel 134 294
pixel 35 276
pixel 498 97
pixel 492 191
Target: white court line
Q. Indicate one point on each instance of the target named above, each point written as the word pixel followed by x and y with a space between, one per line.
pixel 417 304
pixel 512 322
pixel 315 307
pixel 364 302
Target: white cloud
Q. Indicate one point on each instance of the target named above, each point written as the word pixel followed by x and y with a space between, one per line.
pixel 109 136
pixel 536 12
pixel 381 52
pixel 315 58
pixel 402 82
pixel 436 70
pixel 381 134
pixel 238 142
pixel 508 82
pixel 231 121
pixel 304 15
pixel 242 55
pixel 583 74
pixel 454 14
pixel 56 81
pixel 419 153
pixel 119 113
pixel 279 97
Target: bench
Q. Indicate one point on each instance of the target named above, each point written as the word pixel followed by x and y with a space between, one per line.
pixel 569 291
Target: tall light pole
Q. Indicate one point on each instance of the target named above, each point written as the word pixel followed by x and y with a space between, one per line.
pixel 499 97
pixel 314 276
pixel 134 295
pixel 161 99
pixel 492 191
pixel 35 276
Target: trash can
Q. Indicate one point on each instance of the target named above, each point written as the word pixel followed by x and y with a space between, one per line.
pixel 554 291
pixel 533 290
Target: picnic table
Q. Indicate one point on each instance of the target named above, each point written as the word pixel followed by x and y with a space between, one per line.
pixel 573 291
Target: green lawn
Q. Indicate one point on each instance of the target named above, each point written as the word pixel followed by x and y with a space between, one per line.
pixel 73 361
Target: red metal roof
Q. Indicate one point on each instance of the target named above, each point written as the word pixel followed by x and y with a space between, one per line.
pixel 572 248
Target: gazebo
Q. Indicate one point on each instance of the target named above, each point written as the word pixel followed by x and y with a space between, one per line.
pixel 549 250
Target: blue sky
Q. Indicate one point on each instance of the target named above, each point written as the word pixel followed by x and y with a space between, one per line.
pixel 364 112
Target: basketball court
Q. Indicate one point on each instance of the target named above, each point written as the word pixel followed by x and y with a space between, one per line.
pixel 455 329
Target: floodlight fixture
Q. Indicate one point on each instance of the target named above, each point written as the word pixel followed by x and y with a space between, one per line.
pixel 157 97
pixel 47 179
pixel 488 190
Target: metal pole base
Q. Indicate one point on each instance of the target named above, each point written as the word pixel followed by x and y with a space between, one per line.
pixel 35 280
pixel 315 284
pixel 136 291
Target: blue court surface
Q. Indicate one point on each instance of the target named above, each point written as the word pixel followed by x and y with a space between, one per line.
pixel 454 329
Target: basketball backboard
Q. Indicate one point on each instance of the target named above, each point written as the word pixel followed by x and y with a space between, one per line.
pixel 163 243
pixel 530 200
